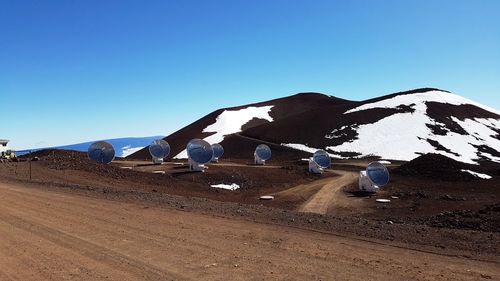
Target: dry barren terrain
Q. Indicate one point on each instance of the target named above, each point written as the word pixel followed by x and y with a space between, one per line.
pixel 50 235
pixel 79 220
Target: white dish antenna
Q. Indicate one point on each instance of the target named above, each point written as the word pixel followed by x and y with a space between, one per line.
pixel 101 152
pixel 199 153
pixel 319 161
pixel 262 154
pixel 375 176
pixel 218 152
pixel 159 149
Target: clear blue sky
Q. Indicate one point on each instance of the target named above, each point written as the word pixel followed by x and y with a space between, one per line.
pixel 73 71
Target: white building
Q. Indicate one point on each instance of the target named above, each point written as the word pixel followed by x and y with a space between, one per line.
pixel 5 151
pixel 3 145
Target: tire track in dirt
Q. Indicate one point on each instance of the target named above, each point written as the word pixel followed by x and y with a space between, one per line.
pixel 90 250
pixel 107 225
pixel 46 235
pixel 330 195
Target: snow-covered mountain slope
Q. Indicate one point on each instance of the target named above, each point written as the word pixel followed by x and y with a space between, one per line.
pixel 230 122
pixel 398 126
pixel 218 125
pixel 419 100
pixel 406 135
pixel 123 146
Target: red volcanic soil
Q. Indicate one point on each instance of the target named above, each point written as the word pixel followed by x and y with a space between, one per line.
pixel 471 204
pixel 307 118
pixel 241 148
pixel 282 108
pixel 74 167
pixel 439 167
pixel 425 211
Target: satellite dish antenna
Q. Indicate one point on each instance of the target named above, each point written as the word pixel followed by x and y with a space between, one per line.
pixel 218 152
pixel 101 152
pixel 159 149
pixel 319 161
pixel 375 176
pixel 261 154
pixel 199 153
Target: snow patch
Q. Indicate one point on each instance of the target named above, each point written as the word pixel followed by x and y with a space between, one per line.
pixel 128 150
pixel 419 99
pixel 303 147
pixel 232 186
pixel 476 174
pixel 465 145
pixel 337 132
pixel 230 122
pixel 391 138
pixel 403 136
pixel 182 155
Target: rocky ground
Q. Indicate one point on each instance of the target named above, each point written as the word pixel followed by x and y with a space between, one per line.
pixel 57 232
pixel 455 216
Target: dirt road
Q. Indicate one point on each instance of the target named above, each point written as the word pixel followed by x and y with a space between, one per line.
pixel 330 195
pixel 47 235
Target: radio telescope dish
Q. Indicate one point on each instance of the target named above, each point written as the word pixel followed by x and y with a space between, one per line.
pixel 322 158
pixel 319 161
pixel 218 151
pixel 101 152
pixel 375 176
pixel 263 152
pixel 377 173
pixel 159 148
pixel 199 151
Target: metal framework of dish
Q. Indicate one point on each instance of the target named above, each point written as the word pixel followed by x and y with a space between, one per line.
pixel 319 161
pixel 374 177
pixel 262 154
pixel 218 152
pixel 101 152
pixel 199 153
pixel 159 149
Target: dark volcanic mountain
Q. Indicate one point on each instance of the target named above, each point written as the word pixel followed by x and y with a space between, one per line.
pixel 399 126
